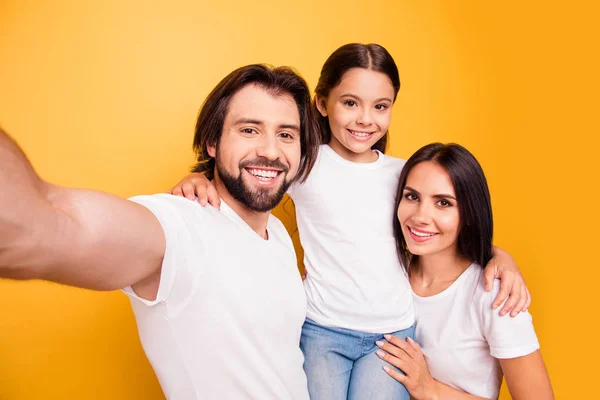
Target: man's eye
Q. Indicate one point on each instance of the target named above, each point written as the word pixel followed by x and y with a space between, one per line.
pixel 248 130
pixel 286 135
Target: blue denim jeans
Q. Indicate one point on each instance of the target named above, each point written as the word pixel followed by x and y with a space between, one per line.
pixel 341 364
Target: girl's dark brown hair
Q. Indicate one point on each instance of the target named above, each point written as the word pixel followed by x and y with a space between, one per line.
pixel 476 226
pixel 278 81
pixel 354 55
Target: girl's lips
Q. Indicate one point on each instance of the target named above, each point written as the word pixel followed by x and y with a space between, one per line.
pixel 359 135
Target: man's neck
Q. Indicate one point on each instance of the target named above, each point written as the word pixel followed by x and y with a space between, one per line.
pixel 257 221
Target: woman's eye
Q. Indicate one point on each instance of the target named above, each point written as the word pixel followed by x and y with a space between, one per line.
pixel 350 103
pixel 248 130
pixel 286 136
pixel 381 107
pixel 444 203
pixel 410 196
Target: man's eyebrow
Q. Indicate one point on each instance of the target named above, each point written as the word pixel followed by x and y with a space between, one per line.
pixel 261 123
pixel 248 121
pixel 293 127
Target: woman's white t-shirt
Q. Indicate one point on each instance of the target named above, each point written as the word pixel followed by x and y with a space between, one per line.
pixel 462 337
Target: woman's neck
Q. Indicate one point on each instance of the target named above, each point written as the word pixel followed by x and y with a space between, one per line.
pixel 433 273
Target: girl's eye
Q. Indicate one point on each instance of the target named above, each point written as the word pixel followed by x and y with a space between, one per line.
pixel 350 103
pixel 411 196
pixel 381 107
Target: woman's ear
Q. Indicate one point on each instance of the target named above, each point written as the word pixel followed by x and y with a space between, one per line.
pixel 321 105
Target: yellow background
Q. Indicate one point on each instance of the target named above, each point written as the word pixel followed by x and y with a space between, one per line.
pixel 104 95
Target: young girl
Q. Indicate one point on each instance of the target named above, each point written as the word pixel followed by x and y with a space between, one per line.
pixel 443 231
pixel 356 288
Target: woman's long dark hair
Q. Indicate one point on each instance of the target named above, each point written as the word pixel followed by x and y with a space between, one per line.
pixel 353 55
pixel 472 196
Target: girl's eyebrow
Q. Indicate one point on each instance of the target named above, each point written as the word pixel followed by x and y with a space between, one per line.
pixel 358 98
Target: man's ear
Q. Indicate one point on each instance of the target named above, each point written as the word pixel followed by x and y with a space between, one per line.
pixel 320 102
pixel 212 150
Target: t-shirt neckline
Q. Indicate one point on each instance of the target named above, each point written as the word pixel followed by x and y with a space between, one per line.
pixel 370 165
pixel 448 290
pixel 243 225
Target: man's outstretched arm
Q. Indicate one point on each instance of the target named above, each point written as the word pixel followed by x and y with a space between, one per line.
pixel 76 237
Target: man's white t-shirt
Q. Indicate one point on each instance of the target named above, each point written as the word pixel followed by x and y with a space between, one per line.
pixel 227 320
pixel 345 213
pixel 462 337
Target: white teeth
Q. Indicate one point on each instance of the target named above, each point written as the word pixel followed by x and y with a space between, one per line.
pixel 419 234
pixel 263 174
pixel 360 134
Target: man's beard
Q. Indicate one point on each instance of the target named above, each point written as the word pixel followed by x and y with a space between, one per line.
pixel 259 199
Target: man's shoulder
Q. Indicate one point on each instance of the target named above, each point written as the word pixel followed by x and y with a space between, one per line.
pixel 166 206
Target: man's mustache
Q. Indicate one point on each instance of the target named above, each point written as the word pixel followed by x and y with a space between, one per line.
pixel 263 162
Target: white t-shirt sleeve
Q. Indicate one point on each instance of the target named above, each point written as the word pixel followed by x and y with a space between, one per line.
pixel 180 219
pixel 507 337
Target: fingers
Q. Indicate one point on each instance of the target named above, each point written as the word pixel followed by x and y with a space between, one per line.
pixel 396 375
pixel 528 303
pixel 401 344
pixel 414 345
pixel 489 274
pixel 397 362
pixel 176 191
pixel 213 196
pixel 188 190
pixel 506 288
pixel 520 306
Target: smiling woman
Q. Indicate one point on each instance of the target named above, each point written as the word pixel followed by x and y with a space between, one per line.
pixel 443 233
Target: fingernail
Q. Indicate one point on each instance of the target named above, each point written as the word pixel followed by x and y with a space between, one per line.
pixel 409 339
pixel 379 343
pixel 380 353
pixel 386 368
pixel 387 336
pixel 488 287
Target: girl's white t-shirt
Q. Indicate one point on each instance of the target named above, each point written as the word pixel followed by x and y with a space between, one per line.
pixel 345 213
pixel 462 337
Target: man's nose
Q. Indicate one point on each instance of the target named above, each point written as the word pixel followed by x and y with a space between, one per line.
pixel 269 148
